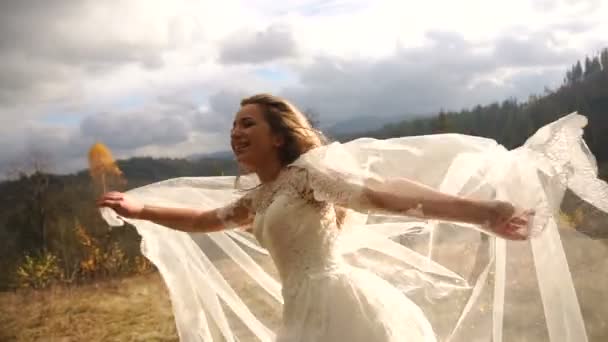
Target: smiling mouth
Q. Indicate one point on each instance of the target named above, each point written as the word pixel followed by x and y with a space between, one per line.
pixel 240 147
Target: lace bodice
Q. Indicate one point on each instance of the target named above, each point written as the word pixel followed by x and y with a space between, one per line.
pixel 295 219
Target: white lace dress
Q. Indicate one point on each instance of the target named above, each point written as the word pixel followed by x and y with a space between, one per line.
pixel 325 299
pixel 470 288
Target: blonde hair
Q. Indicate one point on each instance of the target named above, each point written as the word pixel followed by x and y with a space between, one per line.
pixel 287 121
pixel 294 127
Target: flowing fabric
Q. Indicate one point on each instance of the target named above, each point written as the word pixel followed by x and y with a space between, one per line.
pixel 434 280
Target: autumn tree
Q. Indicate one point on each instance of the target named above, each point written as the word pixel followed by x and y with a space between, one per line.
pixel 103 169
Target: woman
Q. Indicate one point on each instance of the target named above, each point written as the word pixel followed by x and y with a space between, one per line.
pixel 297 213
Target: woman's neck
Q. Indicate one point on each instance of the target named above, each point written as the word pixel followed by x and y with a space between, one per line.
pixel 269 171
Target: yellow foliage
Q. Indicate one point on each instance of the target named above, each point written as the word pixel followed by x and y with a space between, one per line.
pixel 101 161
pixel 578 216
pixel 100 261
pixel 565 220
pixel 38 272
pixel 114 261
pixel 97 261
pixel 142 265
pixel 573 219
pixel 102 165
pixel 82 235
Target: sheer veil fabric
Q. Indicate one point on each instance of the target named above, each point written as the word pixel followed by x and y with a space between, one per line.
pixel 464 284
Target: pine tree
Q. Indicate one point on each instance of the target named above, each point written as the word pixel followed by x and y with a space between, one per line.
pixel 569 79
pixel 441 125
pixel 588 67
pixel 577 72
pixel 604 60
pixel 595 66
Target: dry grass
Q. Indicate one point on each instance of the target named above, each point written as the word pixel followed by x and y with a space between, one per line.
pixel 138 308
pixel 132 309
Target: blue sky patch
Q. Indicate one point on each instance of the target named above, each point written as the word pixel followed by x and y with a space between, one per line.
pixel 64 119
pixel 274 74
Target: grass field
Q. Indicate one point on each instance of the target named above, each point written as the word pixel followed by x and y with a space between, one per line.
pixel 131 309
pixel 138 308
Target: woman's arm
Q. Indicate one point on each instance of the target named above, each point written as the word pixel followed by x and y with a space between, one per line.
pixel 182 219
pixel 192 220
pixel 409 198
pixel 405 197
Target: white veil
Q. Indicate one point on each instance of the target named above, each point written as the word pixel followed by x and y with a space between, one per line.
pixel 471 286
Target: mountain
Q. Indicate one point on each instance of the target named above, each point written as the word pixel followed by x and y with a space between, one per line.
pixel 511 122
pixel 213 155
pixel 359 124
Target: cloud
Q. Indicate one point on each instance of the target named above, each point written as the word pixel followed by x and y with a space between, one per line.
pixel 51 52
pixel 553 5
pixel 226 102
pixel 532 51
pixel 166 128
pixel 30 143
pixel 78 33
pixel 449 72
pixel 132 130
pixel 274 43
pixel 165 79
pixel 217 116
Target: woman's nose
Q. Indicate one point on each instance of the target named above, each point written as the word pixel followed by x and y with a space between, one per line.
pixel 235 132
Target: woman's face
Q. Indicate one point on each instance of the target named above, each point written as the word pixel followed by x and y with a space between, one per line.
pixel 252 139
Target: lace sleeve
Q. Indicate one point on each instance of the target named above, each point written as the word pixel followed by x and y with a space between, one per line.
pixel 370 195
pixel 339 188
pixel 238 213
pixel 400 196
pixel 333 176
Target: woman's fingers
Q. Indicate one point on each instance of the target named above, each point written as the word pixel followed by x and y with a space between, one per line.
pixel 115 196
pixel 519 220
pixel 112 196
pixel 518 227
pixel 514 228
pixel 108 203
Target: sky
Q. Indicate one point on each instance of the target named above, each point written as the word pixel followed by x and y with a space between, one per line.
pixel 164 78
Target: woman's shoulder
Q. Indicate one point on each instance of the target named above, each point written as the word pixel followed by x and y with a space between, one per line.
pixel 295 175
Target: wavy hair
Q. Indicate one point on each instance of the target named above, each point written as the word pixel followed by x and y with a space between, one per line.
pixel 299 136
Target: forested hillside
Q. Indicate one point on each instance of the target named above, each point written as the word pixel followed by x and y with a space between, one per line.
pixel 584 89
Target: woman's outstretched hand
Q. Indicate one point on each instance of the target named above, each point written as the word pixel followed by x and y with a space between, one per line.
pixel 121 203
pixel 510 224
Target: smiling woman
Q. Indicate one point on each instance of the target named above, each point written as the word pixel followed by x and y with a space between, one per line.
pixel 280 132
pixel 372 240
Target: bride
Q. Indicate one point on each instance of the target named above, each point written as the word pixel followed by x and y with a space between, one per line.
pixel 298 211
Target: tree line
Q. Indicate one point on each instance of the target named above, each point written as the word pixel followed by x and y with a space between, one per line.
pixel 510 122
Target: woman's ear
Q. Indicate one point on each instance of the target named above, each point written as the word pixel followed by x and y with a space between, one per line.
pixel 278 140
